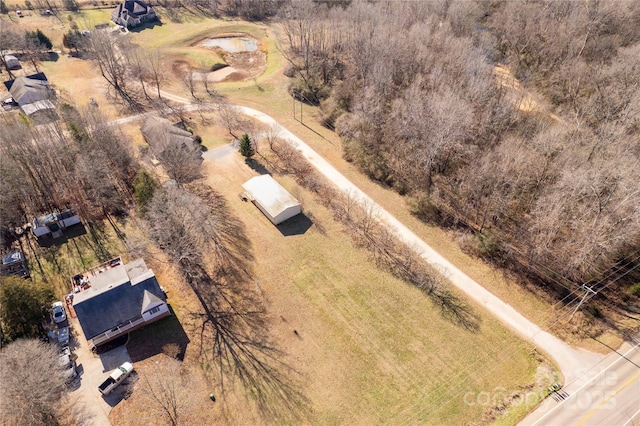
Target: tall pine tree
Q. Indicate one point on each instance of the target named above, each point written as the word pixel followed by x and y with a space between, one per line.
pixel 246 146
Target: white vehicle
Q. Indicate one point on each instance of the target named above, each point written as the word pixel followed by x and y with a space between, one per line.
pixel 68 365
pixel 116 377
pixel 57 312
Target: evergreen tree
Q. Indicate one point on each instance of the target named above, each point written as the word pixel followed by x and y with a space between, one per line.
pixel 72 39
pixel 43 39
pixel 246 146
pixel 38 38
pixel 144 187
pixel 23 305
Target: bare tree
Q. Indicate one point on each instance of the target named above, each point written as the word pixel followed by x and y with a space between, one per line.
pixel 112 64
pixel 168 390
pixel 33 383
pixel 189 80
pixel 181 159
pixel 155 69
pixel 229 115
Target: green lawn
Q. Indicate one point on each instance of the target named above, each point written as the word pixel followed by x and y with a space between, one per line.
pixel 57 263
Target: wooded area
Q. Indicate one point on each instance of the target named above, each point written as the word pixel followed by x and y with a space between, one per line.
pixel 548 187
pixel 45 168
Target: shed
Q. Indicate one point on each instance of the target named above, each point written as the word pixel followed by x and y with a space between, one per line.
pixel 14 263
pixel 12 62
pixel 271 198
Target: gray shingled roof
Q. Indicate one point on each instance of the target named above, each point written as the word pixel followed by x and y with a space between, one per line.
pixel 160 133
pixel 106 306
pixel 150 301
pixel 26 90
pixel 127 12
pixel 134 7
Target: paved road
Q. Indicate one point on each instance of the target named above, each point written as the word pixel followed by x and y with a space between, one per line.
pixel 86 398
pixel 612 397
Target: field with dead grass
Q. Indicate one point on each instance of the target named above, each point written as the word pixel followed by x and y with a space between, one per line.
pixel 361 346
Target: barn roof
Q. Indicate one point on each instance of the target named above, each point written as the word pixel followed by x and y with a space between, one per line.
pixel 266 191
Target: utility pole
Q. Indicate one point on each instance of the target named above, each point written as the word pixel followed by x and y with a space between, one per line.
pixel 587 291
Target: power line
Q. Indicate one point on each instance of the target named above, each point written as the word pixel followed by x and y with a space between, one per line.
pixel 510 350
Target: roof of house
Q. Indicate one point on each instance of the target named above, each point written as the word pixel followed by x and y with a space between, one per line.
pixel 133 8
pixel 270 194
pixel 160 133
pixel 116 295
pixel 26 90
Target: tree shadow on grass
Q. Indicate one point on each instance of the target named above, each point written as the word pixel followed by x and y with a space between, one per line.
pixel 50 56
pixel 456 310
pixel 215 260
pixel 234 336
pixel 233 322
pixel 257 166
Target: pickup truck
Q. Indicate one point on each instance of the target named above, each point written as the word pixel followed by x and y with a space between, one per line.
pixel 116 377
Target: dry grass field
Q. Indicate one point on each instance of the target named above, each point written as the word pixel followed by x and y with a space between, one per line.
pixel 363 347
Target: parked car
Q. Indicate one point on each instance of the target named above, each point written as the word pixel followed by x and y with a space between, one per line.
pixel 68 364
pixel 57 312
pixel 63 336
pixel 116 377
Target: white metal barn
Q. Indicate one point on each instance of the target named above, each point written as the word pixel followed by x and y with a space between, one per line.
pixel 271 198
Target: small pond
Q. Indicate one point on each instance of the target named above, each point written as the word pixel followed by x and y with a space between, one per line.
pixel 233 44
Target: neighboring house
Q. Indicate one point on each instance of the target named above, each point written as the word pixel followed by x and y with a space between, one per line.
pixel 33 94
pixel 30 89
pixel 271 198
pixel 132 13
pixel 160 133
pixel 53 224
pixel 169 141
pixel 11 62
pixel 117 299
pixel 14 263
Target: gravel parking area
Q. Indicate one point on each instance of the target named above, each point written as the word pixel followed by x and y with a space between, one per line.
pixel 93 369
